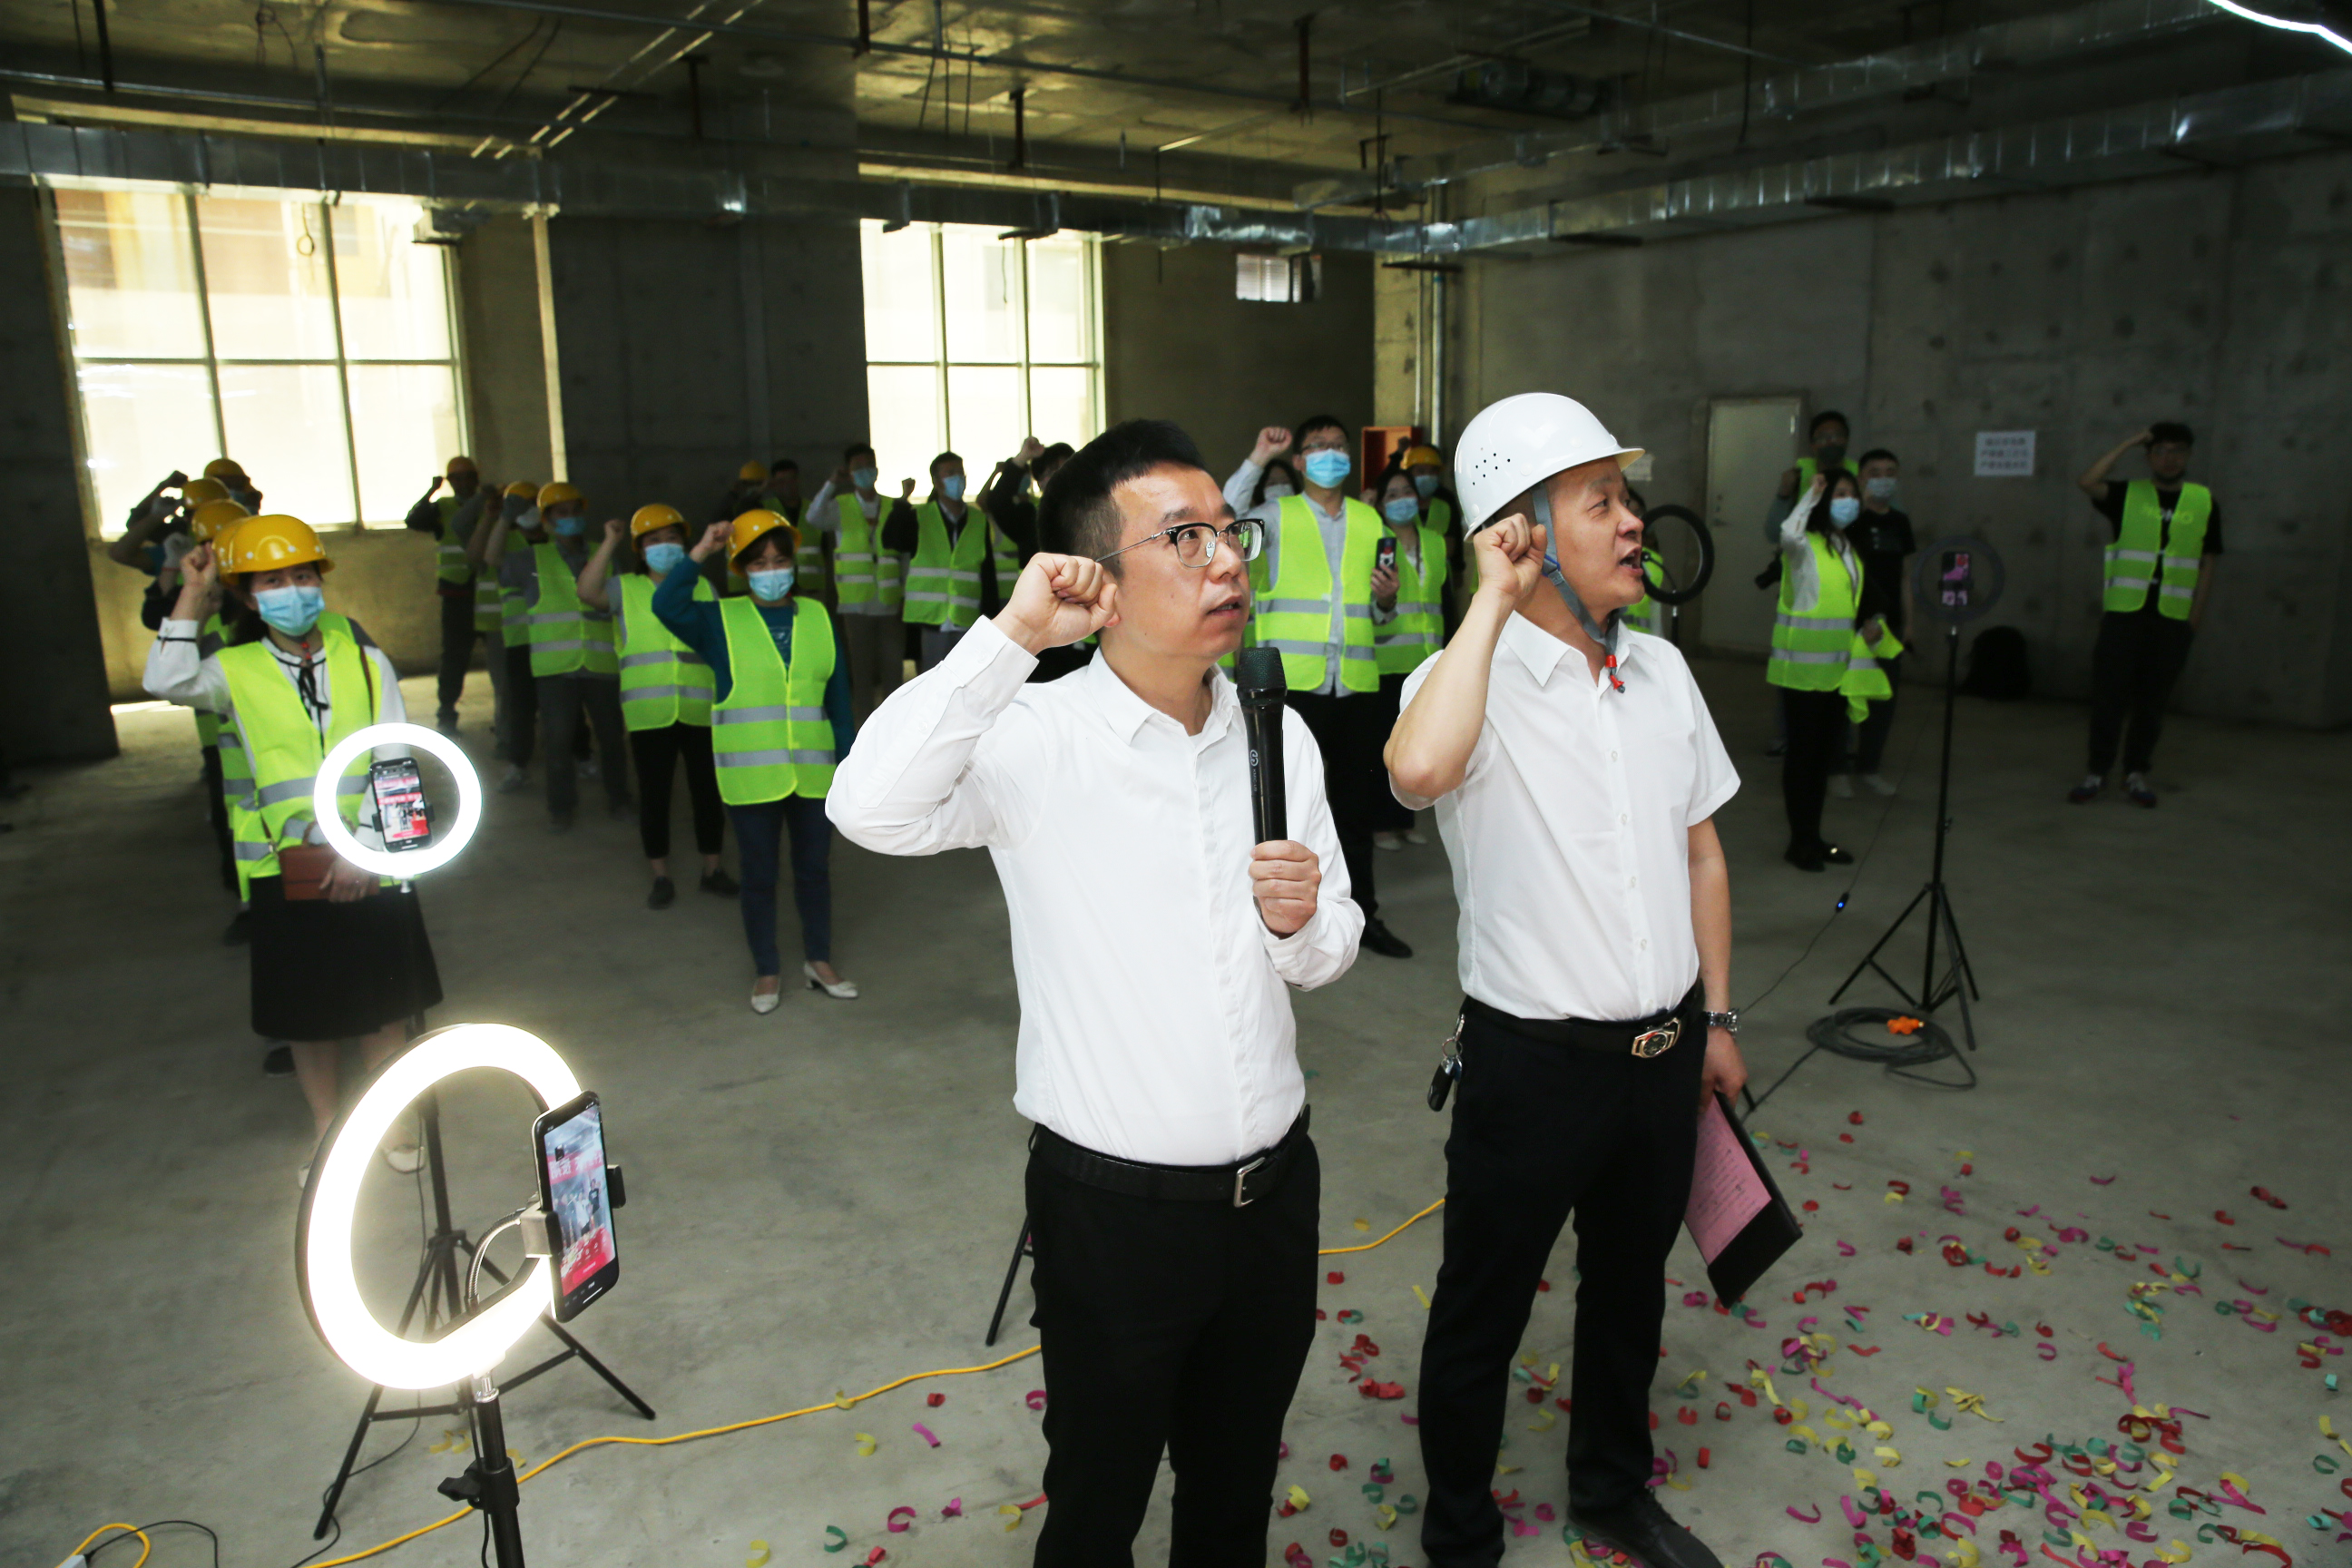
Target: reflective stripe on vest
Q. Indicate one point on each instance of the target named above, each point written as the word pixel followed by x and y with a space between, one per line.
pixel 450 561
pixel 564 634
pixel 770 736
pixel 276 735
pixel 1645 614
pixel 1293 613
pixel 2144 554
pixel 663 681
pixel 1865 678
pixel 943 579
pixel 1418 629
pixel 1811 649
pixel 866 575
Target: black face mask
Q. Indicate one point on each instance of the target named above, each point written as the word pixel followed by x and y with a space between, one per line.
pixel 1830 456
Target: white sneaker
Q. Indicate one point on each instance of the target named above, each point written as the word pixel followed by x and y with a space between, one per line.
pixel 1841 786
pixel 1879 784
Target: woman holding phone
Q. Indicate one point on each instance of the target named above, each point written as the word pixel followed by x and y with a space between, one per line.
pixel 337 952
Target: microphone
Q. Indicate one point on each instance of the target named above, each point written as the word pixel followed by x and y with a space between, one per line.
pixel 1258 671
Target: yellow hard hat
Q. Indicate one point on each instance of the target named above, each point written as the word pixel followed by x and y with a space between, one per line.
pixel 224 468
pixel 524 489
pixel 454 464
pixel 548 495
pixel 273 542
pixel 210 521
pixel 750 471
pixel 646 519
pixel 755 524
pixel 196 492
pixel 1416 456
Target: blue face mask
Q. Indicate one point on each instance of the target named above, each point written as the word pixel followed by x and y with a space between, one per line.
pixel 1402 509
pixel 770 583
pixel 1425 483
pixel 293 611
pixel 569 527
pixel 1328 468
pixel 661 560
pixel 864 478
pixel 1845 510
pixel 952 486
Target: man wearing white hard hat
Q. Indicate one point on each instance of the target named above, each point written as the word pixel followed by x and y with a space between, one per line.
pixel 1575 772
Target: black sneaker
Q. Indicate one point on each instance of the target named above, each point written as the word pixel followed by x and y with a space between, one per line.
pixel 719 884
pixel 1385 941
pixel 1804 859
pixel 1642 1530
pixel 278 1062
pixel 239 931
pixel 664 894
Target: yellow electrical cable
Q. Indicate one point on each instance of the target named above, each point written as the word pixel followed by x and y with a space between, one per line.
pixel 1367 1246
pixel 145 1545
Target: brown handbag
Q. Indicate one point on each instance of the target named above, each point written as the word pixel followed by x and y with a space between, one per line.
pixel 303 870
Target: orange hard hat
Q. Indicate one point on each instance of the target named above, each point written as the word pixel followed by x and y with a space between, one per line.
pixel 273 542
pixel 757 524
pixel 646 519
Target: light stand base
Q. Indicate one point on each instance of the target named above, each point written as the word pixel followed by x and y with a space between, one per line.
pixel 1958 981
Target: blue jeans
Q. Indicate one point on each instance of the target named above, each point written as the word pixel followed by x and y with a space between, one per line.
pixel 759 832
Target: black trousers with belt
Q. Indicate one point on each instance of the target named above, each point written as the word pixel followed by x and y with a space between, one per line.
pixel 1541 1131
pixel 1350 731
pixel 1169 1324
pixel 2132 667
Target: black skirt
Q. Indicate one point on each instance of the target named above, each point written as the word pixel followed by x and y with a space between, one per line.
pixel 324 970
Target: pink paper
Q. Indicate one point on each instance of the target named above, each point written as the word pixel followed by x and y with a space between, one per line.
pixel 1726 1191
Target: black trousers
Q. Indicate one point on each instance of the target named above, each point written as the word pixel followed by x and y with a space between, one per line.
pixel 1351 731
pixel 1541 1131
pixel 1816 735
pixel 458 634
pixel 1170 1325
pixel 562 700
pixel 1387 815
pixel 217 811
pixel 657 753
pixel 2133 666
pixel 522 705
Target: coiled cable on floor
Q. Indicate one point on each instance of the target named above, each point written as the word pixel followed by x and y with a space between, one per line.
pixel 1861 1034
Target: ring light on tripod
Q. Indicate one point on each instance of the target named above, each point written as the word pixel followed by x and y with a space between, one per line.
pixel 406 863
pixel 1957 578
pixel 331 1290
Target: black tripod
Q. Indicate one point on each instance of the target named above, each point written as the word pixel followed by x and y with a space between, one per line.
pixel 440 1290
pixel 1958 981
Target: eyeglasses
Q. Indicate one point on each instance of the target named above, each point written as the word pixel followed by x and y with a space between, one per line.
pixel 1196 543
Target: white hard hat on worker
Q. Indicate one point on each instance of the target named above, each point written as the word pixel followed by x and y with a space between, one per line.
pixel 1514 445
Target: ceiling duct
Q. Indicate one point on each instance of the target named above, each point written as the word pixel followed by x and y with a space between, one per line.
pixel 1524 88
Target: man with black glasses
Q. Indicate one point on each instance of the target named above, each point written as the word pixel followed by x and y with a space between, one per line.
pixel 1173 1189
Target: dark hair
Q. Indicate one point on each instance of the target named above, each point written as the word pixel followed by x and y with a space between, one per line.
pixel 1075 515
pixel 2171 430
pixel 1818 520
pixel 942 458
pixel 854 448
pixel 783 466
pixel 1875 455
pixel 1825 417
pixel 1257 495
pixel 1311 424
pixel 1054 455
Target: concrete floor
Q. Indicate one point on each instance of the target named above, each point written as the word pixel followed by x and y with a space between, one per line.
pixel 824 1200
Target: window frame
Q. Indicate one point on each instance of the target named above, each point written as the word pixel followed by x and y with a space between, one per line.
pixel 322 205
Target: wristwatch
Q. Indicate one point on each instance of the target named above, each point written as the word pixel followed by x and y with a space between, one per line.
pixel 1728 1022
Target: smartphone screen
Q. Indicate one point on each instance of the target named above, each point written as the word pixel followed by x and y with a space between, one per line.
pixel 572 1189
pixel 1387 553
pixel 1957 577
pixel 401 811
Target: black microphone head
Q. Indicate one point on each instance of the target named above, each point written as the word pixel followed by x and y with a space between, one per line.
pixel 1258 671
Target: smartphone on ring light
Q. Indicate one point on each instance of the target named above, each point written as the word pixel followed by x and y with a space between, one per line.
pixel 575 1191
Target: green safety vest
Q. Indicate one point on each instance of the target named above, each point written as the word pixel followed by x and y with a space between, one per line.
pixel 1293 613
pixel 1418 629
pixel 1865 679
pixel 943 580
pixel 2142 554
pixel 285 747
pixel 663 681
pixel 865 573
pixel 236 768
pixel 452 567
pixel 514 603
pixel 1811 649
pixel 564 634
pixel 770 735
pixel 1645 614
pixel 1807 468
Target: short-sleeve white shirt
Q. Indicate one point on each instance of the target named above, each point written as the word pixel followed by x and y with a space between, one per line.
pixel 1570 833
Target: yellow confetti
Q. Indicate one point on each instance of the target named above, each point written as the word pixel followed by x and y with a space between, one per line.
pixel 1834 1419
pixel 1964 1154
pixel 1386 1515
pixel 1544 1422
pixel 1887 1456
pixel 1297 1497
pixel 2259 1539
pixel 1863 1478
pixel 1970 1404
pixel 1895 1197
pixel 2237 1481
pixel 760 1555
pixel 1755 1379
pixel 2180 1552
pixel 2082 1542
pixel 865 1445
pixel 1807 1433
pixel 2100 1515
pixel 1421 1296
pixel 1958 1464
pixel 2327 1427
pixel 1014 1522
pixel 1507 1469
pixel 1962 1555
pixel 1879 1429
pixel 1363 1225
pixel 1797 1408
pixel 841 1400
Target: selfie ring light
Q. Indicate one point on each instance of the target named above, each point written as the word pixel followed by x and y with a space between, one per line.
pixel 409 862
pixel 331 1290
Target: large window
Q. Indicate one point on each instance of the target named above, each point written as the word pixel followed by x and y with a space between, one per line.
pixel 311 341
pixel 973 342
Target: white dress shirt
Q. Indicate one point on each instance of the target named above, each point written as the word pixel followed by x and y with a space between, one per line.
pixel 1570 834
pixel 1154 1021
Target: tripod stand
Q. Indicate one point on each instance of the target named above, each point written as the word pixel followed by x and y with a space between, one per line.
pixel 440 1290
pixel 1958 981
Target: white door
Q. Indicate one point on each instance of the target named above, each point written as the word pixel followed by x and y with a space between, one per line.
pixel 1751 442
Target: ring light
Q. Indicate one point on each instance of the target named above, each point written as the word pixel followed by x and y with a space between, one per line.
pixel 407 863
pixel 329 1288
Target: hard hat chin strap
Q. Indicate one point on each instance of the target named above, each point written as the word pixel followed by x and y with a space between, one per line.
pixel 1605 632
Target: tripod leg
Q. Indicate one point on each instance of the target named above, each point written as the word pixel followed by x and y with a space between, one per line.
pixel 1012 1272
pixel 425 1270
pixel 599 1368
pixel 1871 957
pixel 1959 949
pixel 1959 971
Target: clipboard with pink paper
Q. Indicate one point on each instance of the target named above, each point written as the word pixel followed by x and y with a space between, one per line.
pixel 1737 1216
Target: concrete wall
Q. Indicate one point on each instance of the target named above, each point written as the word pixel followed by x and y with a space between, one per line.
pixel 53 706
pixel 1177 345
pixel 2217 297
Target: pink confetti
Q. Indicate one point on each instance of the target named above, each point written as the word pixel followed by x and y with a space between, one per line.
pixel 954 1508
pixel 901 1519
pixel 925 1433
pixel 1845 1249
pixel 1815 1517
pixel 2101 1181
pixel 1544 1511
pixel 1854 1516
pixel 1036 1399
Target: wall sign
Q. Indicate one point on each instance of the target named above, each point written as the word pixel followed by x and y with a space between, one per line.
pixel 2004 455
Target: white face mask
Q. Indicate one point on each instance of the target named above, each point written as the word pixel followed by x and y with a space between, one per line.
pixel 1882 487
pixel 1277 492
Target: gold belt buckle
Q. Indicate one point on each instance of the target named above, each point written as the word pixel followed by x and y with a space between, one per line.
pixel 1657 1042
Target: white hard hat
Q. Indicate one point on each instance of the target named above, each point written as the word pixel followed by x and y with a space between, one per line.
pixel 1517 444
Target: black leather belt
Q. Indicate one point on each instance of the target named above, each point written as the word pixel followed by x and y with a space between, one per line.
pixel 1651 1037
pixel 1241 1184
